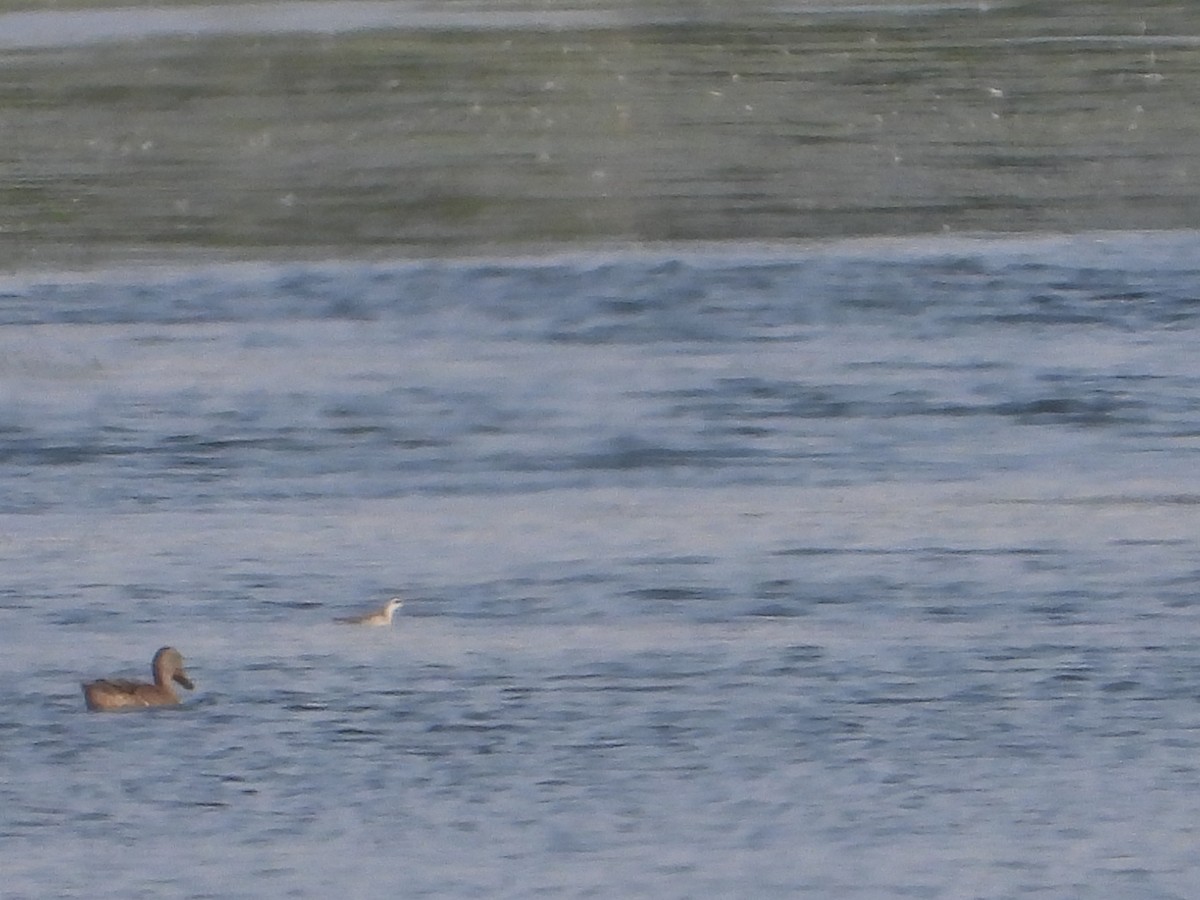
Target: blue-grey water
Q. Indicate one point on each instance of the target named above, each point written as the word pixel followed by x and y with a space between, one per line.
pixel 853 569
pixel 754 542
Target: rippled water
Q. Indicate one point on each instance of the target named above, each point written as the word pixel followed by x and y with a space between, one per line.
pixel 856 569
pixel 751 568
pixel 369 129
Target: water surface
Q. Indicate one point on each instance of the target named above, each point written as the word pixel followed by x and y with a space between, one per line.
pixel 859 569
pixel 753 542
pixel 315 130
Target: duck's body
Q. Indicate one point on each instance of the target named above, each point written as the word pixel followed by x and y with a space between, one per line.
pixel 381 616
pixel 114 694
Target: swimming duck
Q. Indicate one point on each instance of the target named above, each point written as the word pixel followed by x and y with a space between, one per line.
pixel 381 616
pixel 110 694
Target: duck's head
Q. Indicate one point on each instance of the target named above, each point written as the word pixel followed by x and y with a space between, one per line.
pixel 168 666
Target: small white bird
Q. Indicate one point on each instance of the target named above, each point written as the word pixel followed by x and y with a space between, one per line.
pixel 381 616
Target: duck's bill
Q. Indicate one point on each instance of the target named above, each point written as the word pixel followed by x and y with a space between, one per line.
pixel 184 680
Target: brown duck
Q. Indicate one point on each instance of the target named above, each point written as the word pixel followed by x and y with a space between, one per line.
pixel 115 694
